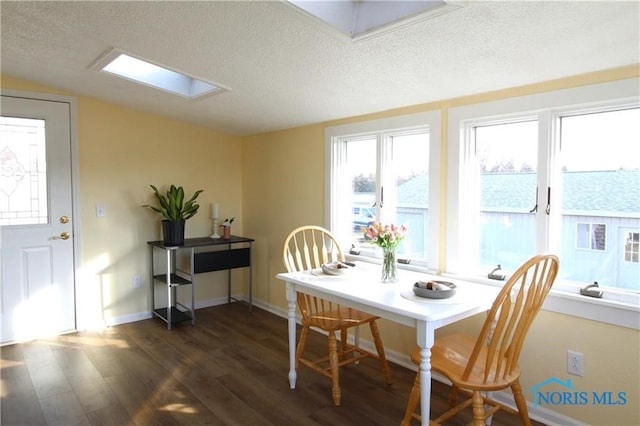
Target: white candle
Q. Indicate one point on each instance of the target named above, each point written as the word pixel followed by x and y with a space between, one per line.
pixel 214 210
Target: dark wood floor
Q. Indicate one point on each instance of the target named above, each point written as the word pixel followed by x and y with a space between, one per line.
pixel 230 369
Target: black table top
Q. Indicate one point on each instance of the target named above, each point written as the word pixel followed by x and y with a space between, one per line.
pixel 203 241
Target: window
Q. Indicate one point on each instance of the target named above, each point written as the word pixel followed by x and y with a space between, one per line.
pixel 632 247
pixel 363 19
pixel 591 236
pixel 381 171
pixel 144 72
pixel 554 172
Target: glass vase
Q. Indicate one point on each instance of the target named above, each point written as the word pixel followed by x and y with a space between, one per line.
pixel 389 265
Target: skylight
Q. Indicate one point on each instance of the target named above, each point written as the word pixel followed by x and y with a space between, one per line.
pixel 361 19
pixel 143 72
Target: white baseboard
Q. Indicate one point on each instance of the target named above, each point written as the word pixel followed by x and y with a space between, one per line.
pixel 139 316
pixel 110 322
pixel 540 414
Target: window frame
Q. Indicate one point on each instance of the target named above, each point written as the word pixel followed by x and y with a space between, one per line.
pixel 590 234
pixel 616 307
pixel 381 128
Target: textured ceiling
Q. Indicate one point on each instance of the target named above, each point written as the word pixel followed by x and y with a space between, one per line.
pixel 284 71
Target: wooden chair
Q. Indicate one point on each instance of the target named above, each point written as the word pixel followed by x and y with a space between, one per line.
pixel 306 248
pixel 489 362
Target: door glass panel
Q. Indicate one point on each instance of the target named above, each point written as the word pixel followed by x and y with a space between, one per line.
pixel 23 167
pixel 508 162
pixel 601 198
pixel 632 247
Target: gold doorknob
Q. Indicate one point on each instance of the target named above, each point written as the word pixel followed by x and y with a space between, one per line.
pixel 63 236
pixel 64 219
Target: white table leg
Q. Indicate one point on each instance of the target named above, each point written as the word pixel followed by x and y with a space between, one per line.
pixel 425 338
pixel 291 303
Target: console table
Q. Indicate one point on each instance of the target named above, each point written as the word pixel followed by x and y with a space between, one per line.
pixel 204 254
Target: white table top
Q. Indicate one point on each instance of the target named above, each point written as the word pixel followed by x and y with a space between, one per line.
pixel 362 288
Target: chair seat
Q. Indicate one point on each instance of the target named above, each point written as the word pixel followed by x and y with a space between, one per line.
pixel 339 318
pixel 450 356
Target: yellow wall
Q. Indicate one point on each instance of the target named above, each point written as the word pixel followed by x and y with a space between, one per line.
pixel 284 187
pixel 272 183
pixel 121 152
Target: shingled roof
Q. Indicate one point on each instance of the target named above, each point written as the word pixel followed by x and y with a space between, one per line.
pixel 584 192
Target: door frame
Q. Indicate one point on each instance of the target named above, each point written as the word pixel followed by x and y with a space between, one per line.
pixel 75 177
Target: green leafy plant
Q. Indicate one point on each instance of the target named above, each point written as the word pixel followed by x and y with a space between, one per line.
pixel 172 206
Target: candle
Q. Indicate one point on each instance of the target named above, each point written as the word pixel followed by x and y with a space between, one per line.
pixel 214 210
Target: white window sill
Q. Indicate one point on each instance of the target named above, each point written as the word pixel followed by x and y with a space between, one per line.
pixel 616 308
pixel 609 311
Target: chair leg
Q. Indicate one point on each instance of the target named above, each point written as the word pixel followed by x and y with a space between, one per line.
pixel 478 409
pixel 343 343
pixel 414 399
pixel 333 362
pixel 489 419
pixel 521 403
pixel 453 396
pixel 302 343
pixel 380 348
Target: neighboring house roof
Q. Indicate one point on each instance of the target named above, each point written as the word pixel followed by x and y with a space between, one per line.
pixel 515 191
pixel 616 190
pixel 598 191
pixel 414 192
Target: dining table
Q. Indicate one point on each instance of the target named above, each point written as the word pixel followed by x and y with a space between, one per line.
pixel 360 287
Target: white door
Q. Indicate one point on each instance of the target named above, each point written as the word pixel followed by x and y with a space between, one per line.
pixel 37 245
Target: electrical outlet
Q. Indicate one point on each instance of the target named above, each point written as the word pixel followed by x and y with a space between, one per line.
pixel 136 281
pixel 574 363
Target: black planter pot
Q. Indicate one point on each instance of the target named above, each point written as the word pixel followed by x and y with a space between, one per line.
pixel 173 233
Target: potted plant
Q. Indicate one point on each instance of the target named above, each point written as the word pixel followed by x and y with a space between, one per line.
pixel 175 212
pixel 226 228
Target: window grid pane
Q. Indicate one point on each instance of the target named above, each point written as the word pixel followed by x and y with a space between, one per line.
pixel 507 161
pixel 361 169
pixel 600 197
pixel 411 191
pixel 632 247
